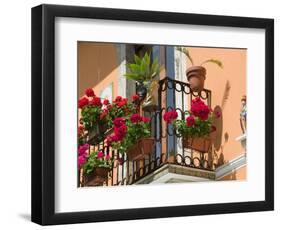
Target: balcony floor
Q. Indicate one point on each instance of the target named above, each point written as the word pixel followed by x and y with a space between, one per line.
pixel 173 173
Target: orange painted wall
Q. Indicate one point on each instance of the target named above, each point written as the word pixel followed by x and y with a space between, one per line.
pixel 234 70
pixel 97 67
pixel 239 174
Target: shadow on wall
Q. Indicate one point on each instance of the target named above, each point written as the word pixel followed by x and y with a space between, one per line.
pixel 219 138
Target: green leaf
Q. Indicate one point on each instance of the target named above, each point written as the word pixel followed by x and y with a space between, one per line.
pixel 215 61
pixel 186 52
pixel 137 59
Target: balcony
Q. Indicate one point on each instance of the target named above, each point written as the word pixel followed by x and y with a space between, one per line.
pixel 170 161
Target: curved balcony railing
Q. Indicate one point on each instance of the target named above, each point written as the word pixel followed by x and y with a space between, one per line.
pixel 172 94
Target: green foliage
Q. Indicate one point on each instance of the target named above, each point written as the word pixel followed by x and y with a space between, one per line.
pixel 214 61
pixel 94 162
pixel 201 128
pixel 135 132
pixel 90 116
pixel 142 70
pixel 186 52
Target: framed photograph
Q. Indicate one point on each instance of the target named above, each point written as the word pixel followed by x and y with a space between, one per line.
pixel 143 114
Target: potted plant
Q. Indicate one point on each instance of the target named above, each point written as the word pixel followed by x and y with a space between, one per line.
pixel 196 128
pixel 143 71
pixel 196 74
pixel 132 136
pixel 95 167
pixel 122 107
pixel 94 116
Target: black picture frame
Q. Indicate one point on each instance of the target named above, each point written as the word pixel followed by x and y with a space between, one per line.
pixel 43 114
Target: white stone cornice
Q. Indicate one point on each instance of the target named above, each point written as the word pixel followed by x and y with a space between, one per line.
pixel 231 166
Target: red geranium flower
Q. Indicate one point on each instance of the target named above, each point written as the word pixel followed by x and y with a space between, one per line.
pixel 96 101
pixel 118 98
pixel 170 116
pixel 122 102
pixel 136 118
pixel 200 109
pixel 190 121
pixel 90 92
pixel 83 102
pixel 135 97
pixel 145 119
pixel 118 121
pixel 106 102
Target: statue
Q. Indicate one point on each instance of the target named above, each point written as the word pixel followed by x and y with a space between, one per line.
pixel 243 114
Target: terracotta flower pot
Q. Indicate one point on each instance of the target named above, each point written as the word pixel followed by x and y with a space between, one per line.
pixel 96 134
pixel 143 147
pixel 196 76
pixel 201 144
pixel 97 177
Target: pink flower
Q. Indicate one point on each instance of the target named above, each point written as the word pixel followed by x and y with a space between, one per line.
pixel 136 118
pixel 82 149
pixel 81 161
pixel 90 92
pixel 83 102
pixel 170 116
pixel 190 121
pixel 100 154
pixel 107 157
pixel 217 114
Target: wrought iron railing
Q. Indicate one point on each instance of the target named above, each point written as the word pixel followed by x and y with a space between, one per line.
pixel 172 94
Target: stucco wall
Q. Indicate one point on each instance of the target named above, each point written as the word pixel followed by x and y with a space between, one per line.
pixel 234 70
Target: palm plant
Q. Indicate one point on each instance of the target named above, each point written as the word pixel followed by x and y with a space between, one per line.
pixel 143 70
pixel 187 54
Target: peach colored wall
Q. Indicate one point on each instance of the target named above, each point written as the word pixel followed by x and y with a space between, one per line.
pixel 97 66
pixel 239 174
pixel 234 70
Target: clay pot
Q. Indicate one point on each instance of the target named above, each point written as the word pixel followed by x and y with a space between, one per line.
pixel 201 144
pixel 97 177
pixel 96 134
pixel 141 91
pixel 143 147
pixel 196 76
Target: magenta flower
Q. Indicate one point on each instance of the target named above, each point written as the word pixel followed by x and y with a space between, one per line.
pixel 217 114
pixel 100 154
pixel 107 157
pixel 82 149
pixel 81 161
